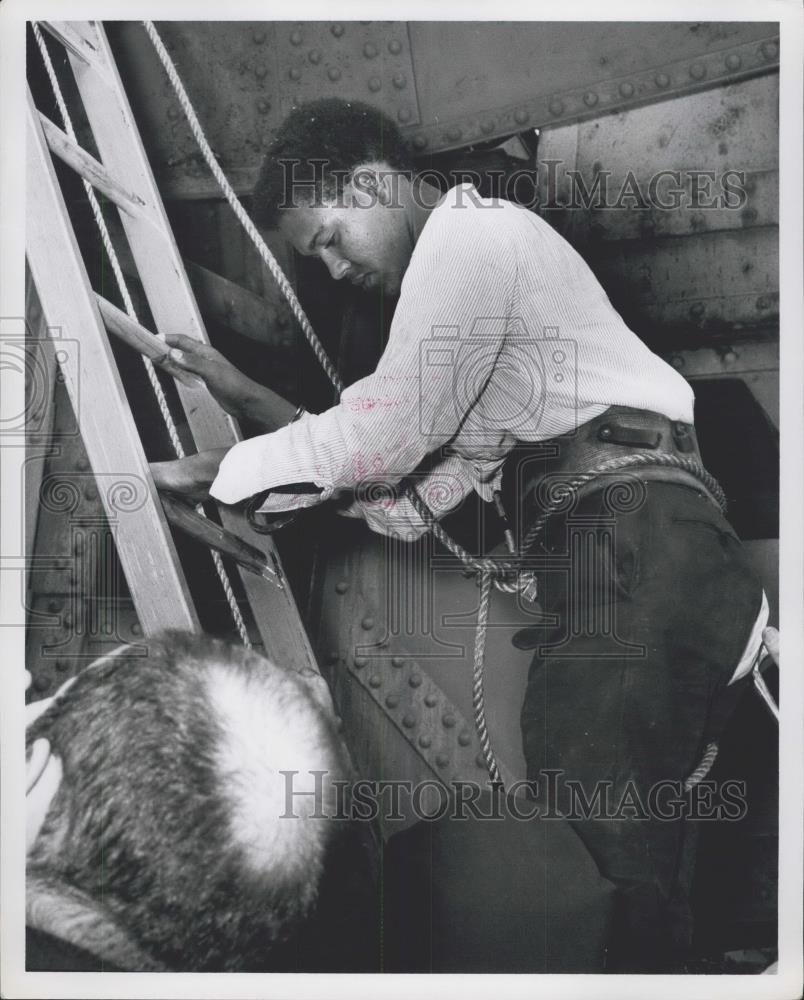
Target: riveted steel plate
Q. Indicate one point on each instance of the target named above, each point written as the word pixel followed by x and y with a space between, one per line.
pixel 399 620
pixel 447 84
pixel 546 73
pixel 355 60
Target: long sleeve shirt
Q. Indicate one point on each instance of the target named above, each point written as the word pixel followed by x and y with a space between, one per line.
pixel 501 334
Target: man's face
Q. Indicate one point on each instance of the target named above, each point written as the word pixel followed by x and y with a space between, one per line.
pixel 363 238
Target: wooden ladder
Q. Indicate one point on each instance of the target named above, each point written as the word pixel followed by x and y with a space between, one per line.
pixel 143 538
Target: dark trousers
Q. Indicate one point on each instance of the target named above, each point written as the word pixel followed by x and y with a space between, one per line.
pixel 652 602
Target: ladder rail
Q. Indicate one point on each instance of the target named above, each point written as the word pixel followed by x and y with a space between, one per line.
pixel 174 310
pixel 144 541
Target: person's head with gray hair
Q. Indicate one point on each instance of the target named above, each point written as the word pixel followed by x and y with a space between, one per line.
pixel 170 809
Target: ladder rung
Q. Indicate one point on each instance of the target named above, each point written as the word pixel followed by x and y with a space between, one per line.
pixel 76 43
pixel 183 517
pixel 142 340
pixel 61 145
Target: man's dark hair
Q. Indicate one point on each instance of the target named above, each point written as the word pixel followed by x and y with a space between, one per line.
pixel 169 811
pixel 316 150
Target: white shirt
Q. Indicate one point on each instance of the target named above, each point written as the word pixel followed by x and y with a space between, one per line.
pixel 501 334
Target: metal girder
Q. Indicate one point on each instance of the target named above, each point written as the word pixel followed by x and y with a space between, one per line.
pixel 395 631
pixel 754 362
pixel 504 78
pixel 447 84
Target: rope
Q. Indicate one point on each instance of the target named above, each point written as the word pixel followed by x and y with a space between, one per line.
pixel 478 698
pixel 504 574
pixel 242 216
pixel 705 766
pixel 153 378
pixel 614 465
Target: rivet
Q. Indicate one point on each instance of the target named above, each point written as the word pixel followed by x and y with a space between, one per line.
pixel 314 55
pixel 465 738
pixel 295 38
pixel 604 433
pixel 697 309
pixel 454 133
pixel 391 701
pixel 394 47
pixel 91 494
pixel 730 356
pixel 442 759
pixel 430 699
pixel 556 106
pixel 54 606
pixel 487 125
pixel 399 80
pixel 415 680
pixel 334 73
pixel 367 623
pixel 370 50
pixel 341 586
pixel 733 61
pixel 521 116
pixel 337 30
pixel 258 37
pixel 425 742
pixel 409 720
pixel 398 661
pixel 662 80
pixel 448 719
pixel 261 71
pixel 136 628
pixel 263 106
pixel 62 665
pixel 763 302
pixel 374 84
pixel 590 99
pixel 479 760
pixel 770 50
pixel 677 361
pixel 42 683
pixel 404 115
pixel 697 71
pixel 626 89
pixel 294 74
pixel 420 141
pixel 375 680
pixel 361 661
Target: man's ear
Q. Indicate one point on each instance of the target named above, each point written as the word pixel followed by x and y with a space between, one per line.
pixel 373 183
